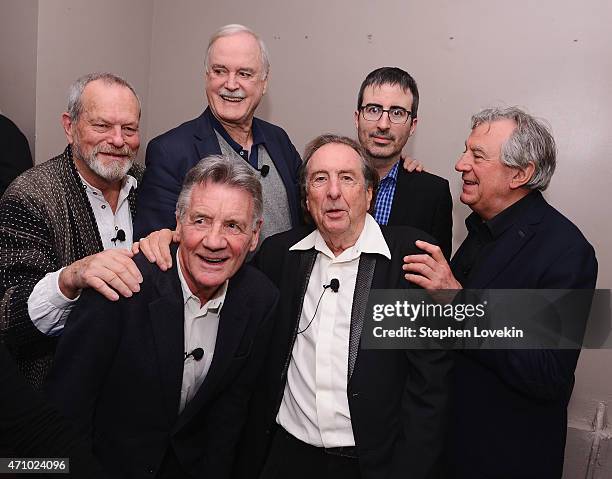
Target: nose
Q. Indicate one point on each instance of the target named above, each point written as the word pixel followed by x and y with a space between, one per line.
pixel 383 122
pixel 117 138
pixel 231 83
pixel 463 163
pixel 214 239
pixel 333 190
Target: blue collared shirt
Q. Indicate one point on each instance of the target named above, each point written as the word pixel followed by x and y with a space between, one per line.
pixel 258 139
pixel 384 196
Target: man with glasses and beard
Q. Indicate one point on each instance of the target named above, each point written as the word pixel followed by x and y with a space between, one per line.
pixel 66 225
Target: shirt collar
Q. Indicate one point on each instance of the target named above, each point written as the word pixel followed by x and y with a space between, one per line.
pixel 216 302
pixel 501 222
pixel 371 240
pixel 392 173
pixel 127 184
pixel 258 136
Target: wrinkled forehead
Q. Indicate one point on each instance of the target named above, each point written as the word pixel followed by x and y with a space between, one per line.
pixel 240 49
pixel 334 158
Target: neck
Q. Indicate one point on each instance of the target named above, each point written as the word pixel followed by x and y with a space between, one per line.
pixel 240 133
pixel 384 165
pixel 338 244
pixel 110 189
pixel 501 206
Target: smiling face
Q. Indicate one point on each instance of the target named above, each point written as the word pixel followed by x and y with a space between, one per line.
pixel 382 139
pixel 216 234
pixel 337 198
pixel 105 137
pixel 489 186
pixel 234 80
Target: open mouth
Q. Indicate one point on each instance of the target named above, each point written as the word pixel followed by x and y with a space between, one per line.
pixel 212 261
pixel 232 99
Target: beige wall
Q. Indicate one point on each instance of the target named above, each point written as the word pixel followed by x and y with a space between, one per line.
pixel 76 37
pixel 18 33
pixel 553 58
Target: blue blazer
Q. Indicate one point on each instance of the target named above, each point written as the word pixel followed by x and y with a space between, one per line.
pixel 172 154
pixel 510 406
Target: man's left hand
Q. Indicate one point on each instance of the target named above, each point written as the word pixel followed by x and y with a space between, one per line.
pixel 429 271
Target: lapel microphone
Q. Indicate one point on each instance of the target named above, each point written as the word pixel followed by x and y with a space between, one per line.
pixel 197 354
pixel 120 236
pixel 334 284
pixel 264 170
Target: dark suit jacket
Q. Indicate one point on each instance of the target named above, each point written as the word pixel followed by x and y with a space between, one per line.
pixel 510 406
pixel 424 201
pixel 15 156
pixel 119 369
pixel 397 399
pixel 171 155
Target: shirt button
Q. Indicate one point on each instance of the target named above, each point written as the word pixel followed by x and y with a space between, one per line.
pixel 242 153
pixel 96 194
pixel 103 207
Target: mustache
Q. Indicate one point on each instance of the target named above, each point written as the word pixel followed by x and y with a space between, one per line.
pixel 380 134
pixel 109 149
pixel 232 94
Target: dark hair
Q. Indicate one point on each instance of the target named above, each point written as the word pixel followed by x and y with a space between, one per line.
pixel 370 174
pixel 391 76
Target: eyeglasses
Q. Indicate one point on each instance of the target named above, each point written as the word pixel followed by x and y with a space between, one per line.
pixel 397 115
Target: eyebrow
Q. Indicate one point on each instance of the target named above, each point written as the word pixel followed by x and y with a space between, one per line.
pixel 390 108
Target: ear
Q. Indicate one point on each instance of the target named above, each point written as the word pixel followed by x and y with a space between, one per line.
pixel 68 125
pixel 265 85
pixel 357 119
pixel 369 197
pixel 522 176
pixel 413 126
pixel 255 238
pixel 178 230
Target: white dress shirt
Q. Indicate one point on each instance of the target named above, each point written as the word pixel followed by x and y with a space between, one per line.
pixel 201 326
pixel 315 405
pixel 47 306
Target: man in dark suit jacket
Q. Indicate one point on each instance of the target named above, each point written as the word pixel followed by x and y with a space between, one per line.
pixel 510 406
pixel 237 68
pixel 326 408
pixel 15 157
pixel 160 381
pixel 385 118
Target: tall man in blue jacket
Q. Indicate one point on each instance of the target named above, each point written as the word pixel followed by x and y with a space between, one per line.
pixel 511 405
pixel 237 68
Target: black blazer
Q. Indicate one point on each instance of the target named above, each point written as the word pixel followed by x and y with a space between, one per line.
pixel 398 399
pixel 510 406
pixel 171 155
pixel 424 201
pixel 15 156
pixel 119 368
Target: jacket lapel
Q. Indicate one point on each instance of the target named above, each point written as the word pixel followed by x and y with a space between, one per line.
pixel 205 140
pixel 363 284
pixel 167 318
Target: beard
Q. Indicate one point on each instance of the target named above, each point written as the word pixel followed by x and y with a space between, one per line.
pixel 116 170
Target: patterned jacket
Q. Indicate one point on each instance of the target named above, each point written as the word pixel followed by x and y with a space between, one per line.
pixel 46 223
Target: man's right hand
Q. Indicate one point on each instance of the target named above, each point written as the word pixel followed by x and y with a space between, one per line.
pixel 156 247
pixel 110 272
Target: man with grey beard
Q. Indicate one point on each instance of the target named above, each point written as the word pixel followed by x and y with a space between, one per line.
pixel 66 225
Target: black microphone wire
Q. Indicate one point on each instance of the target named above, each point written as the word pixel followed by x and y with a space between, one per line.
pixel 325 286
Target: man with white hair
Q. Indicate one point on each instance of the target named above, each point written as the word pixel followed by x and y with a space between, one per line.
pixel 66 225
pixel 236 78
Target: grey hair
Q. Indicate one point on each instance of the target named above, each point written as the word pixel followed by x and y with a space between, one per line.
pixel 234 29
pixel 531 141
pixel 75 92
pixel 370 174
pixel 220 169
